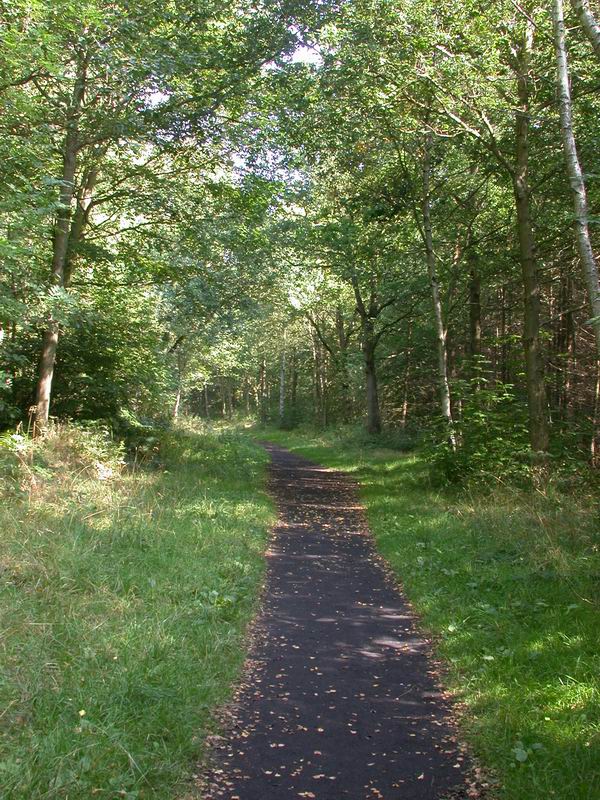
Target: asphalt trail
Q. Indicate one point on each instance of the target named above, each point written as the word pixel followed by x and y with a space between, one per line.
pixel 342 702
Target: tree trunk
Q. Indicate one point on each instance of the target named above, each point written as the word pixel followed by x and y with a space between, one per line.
pixel 262 379
pixel 294 394
pixel 372 395
pixel 282 387
pixel 229 398
pixel 442 351
pixel 80 217
pixel 584 245
pixel 317 382
pixel 247 395
pixel 406 383
pixel 346 400
pixel 536 390
pixel 504 373
pixel 177 403
pixel 595 440
pixel 60 245
pixel 588 23
pixel 474 318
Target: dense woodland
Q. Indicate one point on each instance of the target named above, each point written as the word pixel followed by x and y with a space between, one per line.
pixel 366 230
pixel 306 211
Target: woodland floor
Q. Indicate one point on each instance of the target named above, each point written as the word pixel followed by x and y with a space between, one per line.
pixel 341 699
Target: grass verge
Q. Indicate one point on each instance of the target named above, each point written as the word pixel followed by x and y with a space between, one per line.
pixel 124 595
pixel 507 583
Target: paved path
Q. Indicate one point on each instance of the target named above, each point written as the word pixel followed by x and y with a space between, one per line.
pixel 344 702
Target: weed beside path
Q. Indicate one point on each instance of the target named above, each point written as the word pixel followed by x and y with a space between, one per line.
pixel 124 596
pixel 507 583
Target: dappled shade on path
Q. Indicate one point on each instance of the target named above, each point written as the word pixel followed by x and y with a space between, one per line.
pixel 343 701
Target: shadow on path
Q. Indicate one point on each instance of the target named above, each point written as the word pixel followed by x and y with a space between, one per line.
pixel 344 703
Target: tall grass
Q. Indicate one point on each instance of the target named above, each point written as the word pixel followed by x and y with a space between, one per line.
pixel 507 582
pixel 124 594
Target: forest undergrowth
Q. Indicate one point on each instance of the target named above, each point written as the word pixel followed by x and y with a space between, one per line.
pixel 506 583
pixel 126 585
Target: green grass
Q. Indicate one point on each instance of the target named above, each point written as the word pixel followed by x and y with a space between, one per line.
pixel 124 596
pixel 508 584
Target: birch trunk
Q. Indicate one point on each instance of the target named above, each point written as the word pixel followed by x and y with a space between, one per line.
pixel 177 403
pixel 588 22
pixel 582 232
pixel 441 334
pixel 262 382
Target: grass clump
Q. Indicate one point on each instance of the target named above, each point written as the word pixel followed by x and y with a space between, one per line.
pixel 507 582
pixel 124 594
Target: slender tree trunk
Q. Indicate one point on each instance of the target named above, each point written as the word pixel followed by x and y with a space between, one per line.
pixel 60 245
pixel 206 403
pixel 474 313
pixel 262 381
pixel 536 390
pixel 441 334
pixel 180 370
pixel 588 22
pixel 282 366
pixel 229 398
pixel 294 393
pixel 317 382
pixel 247 395
pixel 223 400
pixel 177 403
pixel 406 383
pixel 372 392
pixel 584 244
pixel 504 376
pixel 324 387
pixel 346 400
pixel 595 440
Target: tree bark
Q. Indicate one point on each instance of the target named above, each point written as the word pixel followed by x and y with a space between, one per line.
pixel 588 22
pixel 474 317
pixel 595 439
pixel 369 345
pixel 343 341
pixel 294 392
pixel 582 231
pixel 60 245
pixel 536 391
pixel 80 216
pixel 406 382
pixel 440 329
pixel 180 371
pixel 282 387
pixel 177 403
pixel 262 380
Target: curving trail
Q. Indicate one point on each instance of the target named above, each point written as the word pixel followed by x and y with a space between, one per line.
pixel 344 701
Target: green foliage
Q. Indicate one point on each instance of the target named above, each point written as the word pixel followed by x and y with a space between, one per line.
pixel 491 435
